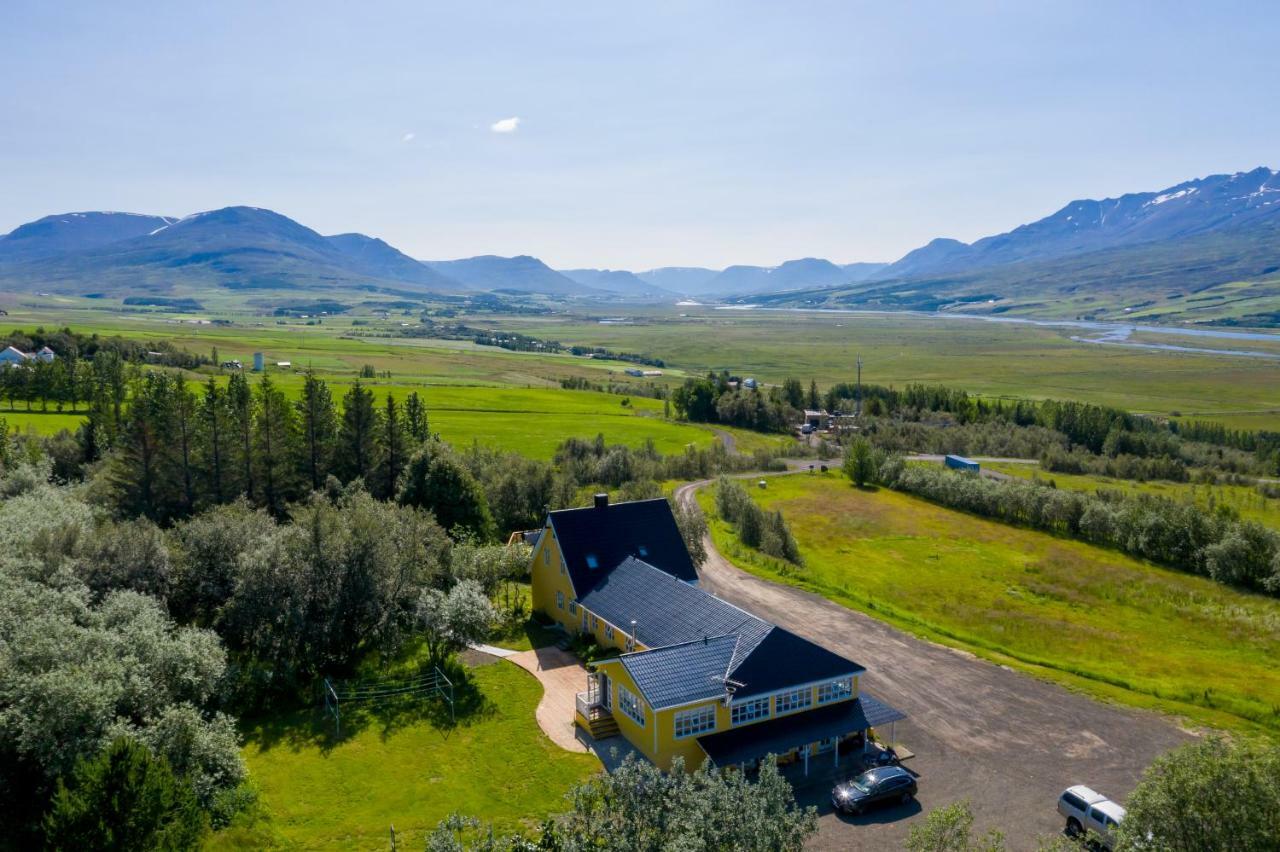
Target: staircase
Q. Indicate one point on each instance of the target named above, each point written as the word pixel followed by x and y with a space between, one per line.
pixel 601 724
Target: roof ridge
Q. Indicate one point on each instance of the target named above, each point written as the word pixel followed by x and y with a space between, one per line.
pixel 611 505
pixel 698 641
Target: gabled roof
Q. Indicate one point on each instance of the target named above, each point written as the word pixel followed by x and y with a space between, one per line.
pixel 696 640
pixel 678 674
pixel 608 534
pixel 667 611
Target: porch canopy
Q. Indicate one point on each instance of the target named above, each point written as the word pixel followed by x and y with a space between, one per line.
pixel 781 735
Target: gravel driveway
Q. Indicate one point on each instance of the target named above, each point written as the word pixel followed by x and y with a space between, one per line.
pixel 1008 742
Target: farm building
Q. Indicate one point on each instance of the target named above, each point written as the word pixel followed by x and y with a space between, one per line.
pixel 698 677
pixel 817 419
pixel 962 463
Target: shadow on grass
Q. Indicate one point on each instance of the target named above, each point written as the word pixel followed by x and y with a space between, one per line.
pixel 314 726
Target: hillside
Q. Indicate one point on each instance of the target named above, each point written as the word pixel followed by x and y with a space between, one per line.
pixel 522 274
pixel 619 282
pixel 239 248
pixel 70 232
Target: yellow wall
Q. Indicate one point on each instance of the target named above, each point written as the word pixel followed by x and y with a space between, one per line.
pixel 663 746
pixel 548 576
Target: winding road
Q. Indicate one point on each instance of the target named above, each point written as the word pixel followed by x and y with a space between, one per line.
pixel 1008 742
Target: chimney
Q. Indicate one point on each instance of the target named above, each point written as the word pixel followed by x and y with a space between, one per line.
pixel 633 630
pixel 602 500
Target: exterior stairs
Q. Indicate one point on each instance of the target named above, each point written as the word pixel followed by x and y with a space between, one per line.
pixel 601 724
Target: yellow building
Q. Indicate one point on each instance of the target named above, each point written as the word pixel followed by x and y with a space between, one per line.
pixel 697 677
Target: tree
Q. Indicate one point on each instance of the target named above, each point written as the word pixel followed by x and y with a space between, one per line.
pixel 1209 795
pixel 950 829
pixel 860 462
pixel 318 423
pixel 640 808
pixel 436 480
pixel 357 436
pixel 275 435
pixel 449 621
pixel 240 403
pixel 415 419
pixel 693 529
pixel 814 402
pixel 215 443
pixel 125 799
pixel 391 450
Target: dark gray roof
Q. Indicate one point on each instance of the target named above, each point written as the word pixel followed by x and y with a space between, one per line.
pixel 780 735
pixel 678 674
pixel 695 640
pixel 667 611
pixel 643 528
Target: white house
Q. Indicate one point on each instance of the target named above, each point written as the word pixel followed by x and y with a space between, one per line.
pixel 12 356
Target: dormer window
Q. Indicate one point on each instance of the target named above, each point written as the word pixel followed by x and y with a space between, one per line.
pixel 644 551
pixel 592 562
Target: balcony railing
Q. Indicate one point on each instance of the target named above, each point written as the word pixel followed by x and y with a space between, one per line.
pixel 586 701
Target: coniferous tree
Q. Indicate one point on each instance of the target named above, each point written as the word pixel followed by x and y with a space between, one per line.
pixel 215 443
pixel 143 471
pixel 357 445
pixel 814 401
pixel 240 406
pixel 415 419
pixel 274 446
pixel 184 428
pixel 318 424
pixel 392 452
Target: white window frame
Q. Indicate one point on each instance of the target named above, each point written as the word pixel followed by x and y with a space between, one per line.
pixel 750 710
pixel 595 623
pixel 546 555
pixel 835 690
pixel 795 699
pixel 573 607
pixel 629 703
pixel 608 631
pixel 559 600
pixel 695 721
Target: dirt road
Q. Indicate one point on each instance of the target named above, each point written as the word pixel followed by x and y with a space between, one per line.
pixel 1004 740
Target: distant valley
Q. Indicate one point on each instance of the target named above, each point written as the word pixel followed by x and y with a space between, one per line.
pixel 1205 250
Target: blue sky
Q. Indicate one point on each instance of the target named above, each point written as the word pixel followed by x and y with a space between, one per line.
pixel 648 133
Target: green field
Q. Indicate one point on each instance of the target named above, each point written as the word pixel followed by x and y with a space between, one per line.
pixel 1090 618
pixel 993 359
pixel 496 765
pixel 1245 500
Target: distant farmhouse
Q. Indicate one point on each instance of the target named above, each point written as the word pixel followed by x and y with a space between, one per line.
pixel 698 677
pixel 12 356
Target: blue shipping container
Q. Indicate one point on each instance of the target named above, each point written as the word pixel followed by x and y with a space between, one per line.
pixel 961 463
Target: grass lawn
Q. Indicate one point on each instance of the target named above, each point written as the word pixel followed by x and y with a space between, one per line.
pixel 400 769
pixel 42 423
pixel 1246 500
pixel 1087 617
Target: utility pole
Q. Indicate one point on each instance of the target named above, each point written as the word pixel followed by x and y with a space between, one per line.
pixel 857 396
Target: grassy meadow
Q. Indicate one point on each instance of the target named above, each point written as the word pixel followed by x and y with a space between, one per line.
pixel 1090 618
pixel 1245 500
pixel 405 770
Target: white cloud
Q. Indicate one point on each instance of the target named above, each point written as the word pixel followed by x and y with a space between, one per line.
pixel 408 137
pixel 506 125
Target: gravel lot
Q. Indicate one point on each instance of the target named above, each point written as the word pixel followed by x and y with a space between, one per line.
pixel 1008 742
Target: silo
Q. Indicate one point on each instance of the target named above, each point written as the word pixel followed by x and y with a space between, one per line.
pixel 257 362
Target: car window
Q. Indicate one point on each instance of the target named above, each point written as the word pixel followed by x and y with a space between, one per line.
pixel 1074 801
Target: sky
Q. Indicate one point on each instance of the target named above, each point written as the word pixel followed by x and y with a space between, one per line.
pixel 629 135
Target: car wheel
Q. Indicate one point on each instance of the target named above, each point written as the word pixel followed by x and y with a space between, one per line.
pixel 1073 827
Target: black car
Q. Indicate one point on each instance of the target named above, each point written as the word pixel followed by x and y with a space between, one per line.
pixel 873 787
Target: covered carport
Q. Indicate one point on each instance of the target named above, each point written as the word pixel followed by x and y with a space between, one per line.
pixel 750 743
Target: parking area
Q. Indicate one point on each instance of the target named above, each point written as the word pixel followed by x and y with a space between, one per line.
pixel 1007 742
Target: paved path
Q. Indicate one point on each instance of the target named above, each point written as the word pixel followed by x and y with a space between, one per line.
pixel 562 678
pixel 1006 741
pixel 492 650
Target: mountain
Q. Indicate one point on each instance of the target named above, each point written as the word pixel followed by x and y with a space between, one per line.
pixel 67 232
pixel 375 257
pixel 809 272
pixel 523 274
pixel 620 283
pixel 1217 203
pixel 234 247
pixel 685 280
pixel 861 271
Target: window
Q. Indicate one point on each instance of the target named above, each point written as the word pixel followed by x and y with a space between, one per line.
pixel 644 551
pixel 631 705
pixel 1074 801
pixel 560 600
pixel 836 690
pixel 594 623
pixel 796 699
pixel 750 710
pixel 696 721
pixel 631 644
pixel 573 607
pixel 608 632
pixel 546 555
pixel 592 562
